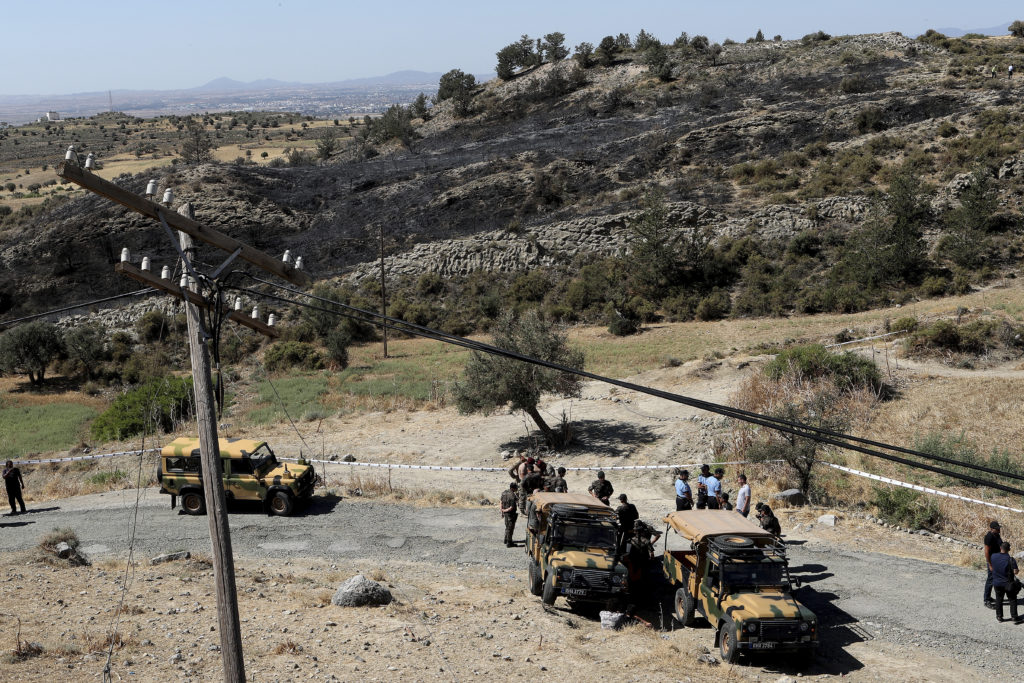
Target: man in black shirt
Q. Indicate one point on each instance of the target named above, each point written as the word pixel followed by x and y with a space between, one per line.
pixel 14 484
pixel 993 541
pixel 602 489
pixel 1004 580
pixel 627 517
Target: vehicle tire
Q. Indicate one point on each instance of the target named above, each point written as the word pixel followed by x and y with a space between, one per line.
pixel 684 606
pixel 536 583
pixel 193 502
pixel 549 595
pixel 281 504
pixel 736 542
pixel 728 646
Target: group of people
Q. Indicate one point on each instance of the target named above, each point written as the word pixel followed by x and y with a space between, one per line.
pixel 14 485
pixel 530 475
pixel 1002 574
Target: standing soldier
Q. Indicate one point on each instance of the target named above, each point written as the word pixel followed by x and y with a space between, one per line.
pixel 508 512
pixel 14 484
pixel 530 483
pixel 558 484
pixel 628 515
pixel 714 487
pixel 684 495
pixel 993 542
pixel 601 488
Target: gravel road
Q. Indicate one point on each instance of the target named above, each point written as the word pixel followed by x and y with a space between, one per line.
pixel 857 595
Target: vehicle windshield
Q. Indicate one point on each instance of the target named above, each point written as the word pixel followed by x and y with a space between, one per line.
pixel 263 460
pixel 582 536
pixel 753 573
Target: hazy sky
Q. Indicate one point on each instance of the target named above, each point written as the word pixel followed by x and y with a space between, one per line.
pixel 67 46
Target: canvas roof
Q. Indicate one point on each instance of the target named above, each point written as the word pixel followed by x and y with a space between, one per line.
pixel 699 524
pixel 544 500
pixel 228 447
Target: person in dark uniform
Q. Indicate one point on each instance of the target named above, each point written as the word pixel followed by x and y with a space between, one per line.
pixel 1004 580
pixel 602 489
pixel 769 522
pixel 508 512
pixel 993 542
pixel 558 484
pixel 723 501
pixel 14 484
pixel 702 487
pixel 530 483
pixel 627 517
pixel 641 552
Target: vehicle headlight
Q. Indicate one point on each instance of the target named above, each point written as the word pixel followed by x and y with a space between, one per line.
pixel 751 627
pixel 565 573
pixel 804 627
pixel 617 579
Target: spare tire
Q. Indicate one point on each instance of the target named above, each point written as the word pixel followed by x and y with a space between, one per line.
pixel 734 542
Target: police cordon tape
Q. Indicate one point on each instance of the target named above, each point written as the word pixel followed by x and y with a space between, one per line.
pixel 95 456
pixel 452 468
pixel 916 487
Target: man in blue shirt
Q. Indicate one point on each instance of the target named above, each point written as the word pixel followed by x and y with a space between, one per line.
pixel 714 484
pixel 1004 581
pixel 684 496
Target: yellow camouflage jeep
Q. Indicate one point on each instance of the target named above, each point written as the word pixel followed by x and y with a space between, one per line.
pixel 251 472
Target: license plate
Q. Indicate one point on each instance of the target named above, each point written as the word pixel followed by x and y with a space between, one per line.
pixel 574 591
pixel 762 646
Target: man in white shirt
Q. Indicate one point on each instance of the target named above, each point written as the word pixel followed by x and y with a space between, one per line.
pixel 743 496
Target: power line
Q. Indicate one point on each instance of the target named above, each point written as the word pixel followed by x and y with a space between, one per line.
pixel 138 292
pixel 794 428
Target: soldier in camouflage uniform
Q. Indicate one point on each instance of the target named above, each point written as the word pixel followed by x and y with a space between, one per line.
pixel 508 512
pixel 602 489
pixel 558 484
pixel 530 483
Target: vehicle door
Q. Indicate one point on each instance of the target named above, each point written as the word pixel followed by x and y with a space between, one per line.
pixel 710 591
pixel 239 481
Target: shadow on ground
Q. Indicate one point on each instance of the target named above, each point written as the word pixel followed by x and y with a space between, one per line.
pixel 601 437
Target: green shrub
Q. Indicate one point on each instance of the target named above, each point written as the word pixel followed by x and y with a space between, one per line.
pixel 156 404
pixel 715 306
pixel 907 324
pixel 934 285
pixel 906 507
pixel 848 370
pixel 108 478
pixel 292 354
pixel 337 343
pixel 153 326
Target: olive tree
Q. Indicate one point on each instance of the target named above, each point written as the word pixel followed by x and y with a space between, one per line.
pixel 1017 29
pixel 491 381
pixel 196 147
pixel 458 87
pixel 29 349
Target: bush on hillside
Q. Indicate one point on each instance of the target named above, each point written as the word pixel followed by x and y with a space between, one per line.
pixel 906 507
pixel 847 370
pixel 157 404
pixel 293 354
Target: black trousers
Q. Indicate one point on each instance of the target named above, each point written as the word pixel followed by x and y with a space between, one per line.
pixel 1002 591
pixel 683 503
pixel 14 494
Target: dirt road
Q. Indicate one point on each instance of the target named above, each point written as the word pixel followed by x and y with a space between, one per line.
pixel 860 597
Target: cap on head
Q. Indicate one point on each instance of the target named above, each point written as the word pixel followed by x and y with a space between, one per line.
pixel 684 474
pixel 530 461
pixel 600 474
pixel 513 485
pixel 994 525
pixel 622 497
pixel 705 468
pixel 561 471
pixel 719 470
pixel 759 507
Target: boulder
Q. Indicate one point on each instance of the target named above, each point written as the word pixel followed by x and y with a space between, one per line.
pixel 63 550
pixel 1019 556
pixel 171 557
pixel 827 520
pixel 360 591
pixel 791 496
pixel 349 458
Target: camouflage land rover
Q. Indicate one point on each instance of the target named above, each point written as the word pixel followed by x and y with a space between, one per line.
pixel 572 549
pixel 737 575
pixel 251 472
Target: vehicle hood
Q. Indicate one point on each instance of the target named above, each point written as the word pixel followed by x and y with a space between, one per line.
pixel 277 475
pixel 768 605
pixel 583 559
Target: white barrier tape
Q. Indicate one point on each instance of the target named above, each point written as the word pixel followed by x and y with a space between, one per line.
pixel 86 457
pixel 447 468
pixel 923 489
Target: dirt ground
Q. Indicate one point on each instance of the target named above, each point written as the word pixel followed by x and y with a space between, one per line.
pixel 447 623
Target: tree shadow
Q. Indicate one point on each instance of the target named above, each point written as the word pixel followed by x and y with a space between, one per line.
pixel 600 437
pixel 51 385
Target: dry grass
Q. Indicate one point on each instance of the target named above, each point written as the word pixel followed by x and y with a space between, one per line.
pixel 91 642
pixel 288 647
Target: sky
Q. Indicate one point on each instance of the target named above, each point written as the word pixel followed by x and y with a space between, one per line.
pixel 70 46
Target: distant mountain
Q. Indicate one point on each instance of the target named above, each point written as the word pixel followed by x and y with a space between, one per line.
pixel 999 30
pixel 227 84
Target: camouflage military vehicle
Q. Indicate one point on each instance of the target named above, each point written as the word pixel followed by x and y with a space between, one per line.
pixel 735 574
pixel 251 472
pixel 571 544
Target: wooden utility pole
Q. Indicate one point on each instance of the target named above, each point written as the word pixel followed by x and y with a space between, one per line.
pixel 213 488
pixel 383 293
